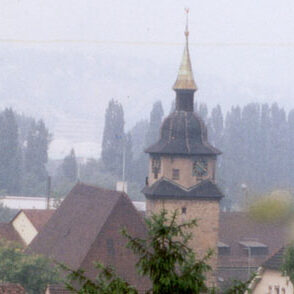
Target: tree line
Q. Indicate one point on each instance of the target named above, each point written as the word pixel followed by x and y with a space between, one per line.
pixel 256 140
pixel 23 154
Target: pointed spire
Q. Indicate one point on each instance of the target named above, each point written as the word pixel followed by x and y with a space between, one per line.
pixel 185 79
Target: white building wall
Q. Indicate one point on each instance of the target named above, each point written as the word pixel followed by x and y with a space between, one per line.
pixel 21 202
pixel 272 282
pixel 24 228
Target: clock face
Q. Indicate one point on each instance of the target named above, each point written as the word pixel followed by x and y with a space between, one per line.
pixel 200 167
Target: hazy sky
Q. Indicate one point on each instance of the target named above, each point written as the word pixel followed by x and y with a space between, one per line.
pixel 161 21
pixel 241 51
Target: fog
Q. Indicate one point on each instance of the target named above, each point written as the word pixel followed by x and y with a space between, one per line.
pixel 64 61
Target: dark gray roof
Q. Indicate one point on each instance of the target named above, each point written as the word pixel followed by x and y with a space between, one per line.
pixel 184 133
pixel 275 262
pixel 166 189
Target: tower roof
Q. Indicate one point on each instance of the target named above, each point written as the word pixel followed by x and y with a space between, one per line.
pixel 185 79
pixel 183 133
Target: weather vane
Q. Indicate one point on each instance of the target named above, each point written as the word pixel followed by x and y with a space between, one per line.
pixel 187 30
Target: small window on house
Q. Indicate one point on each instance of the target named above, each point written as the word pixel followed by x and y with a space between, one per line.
pixel 110 247
pixel 184 210
pixel 254 248
pixel 176 174
pixel 223 249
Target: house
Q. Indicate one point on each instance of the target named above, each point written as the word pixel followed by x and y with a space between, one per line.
pixel 9 288
pixel 86 228
pixel 7 232
pixel 270 278
pixel 244 245
pixel 28 222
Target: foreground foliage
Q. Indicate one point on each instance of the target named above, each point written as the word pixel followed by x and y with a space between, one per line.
pixel 288 264
pixel 33 272
pixel 164 257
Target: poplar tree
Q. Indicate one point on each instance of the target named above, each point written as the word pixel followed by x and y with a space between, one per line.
pixel 113 138
pixel 70 167
pixel 154 124
pixel 10 160
pixel 35 158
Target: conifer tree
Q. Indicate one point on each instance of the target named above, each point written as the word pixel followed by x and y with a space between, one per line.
pixel 70 167
pixel 10 160
pixel 35 158
pixel 154 124
pixel 164 256
pixel 113 138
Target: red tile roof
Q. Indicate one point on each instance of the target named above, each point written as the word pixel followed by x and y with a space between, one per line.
pixel 235 228
pixel 8 233
pixel 38 217
pixel 8 288
pixel 86 228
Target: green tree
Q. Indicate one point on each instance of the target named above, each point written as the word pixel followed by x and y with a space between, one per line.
pixel 170 264
pixel 6 214
pixel 288 264
pixel 33 272
pixel 113 138
pixel 36 153
pixel 9 153
pixel 156 115
pixel 35 158
pixel 164 257
pixel 70 167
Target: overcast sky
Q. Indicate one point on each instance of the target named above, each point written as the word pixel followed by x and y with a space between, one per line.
pixel 237 46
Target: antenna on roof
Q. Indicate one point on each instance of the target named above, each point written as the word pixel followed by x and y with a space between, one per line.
pixel 48 191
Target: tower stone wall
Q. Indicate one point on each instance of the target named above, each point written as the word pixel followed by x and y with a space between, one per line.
pixel 182 169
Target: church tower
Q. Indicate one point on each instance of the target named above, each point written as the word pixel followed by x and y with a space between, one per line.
pixel 182 166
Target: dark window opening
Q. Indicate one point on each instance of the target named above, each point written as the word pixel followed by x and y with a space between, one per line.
pixel 156 164
pixel 259 250
pixel 184 210
pixel 110 247
pixel 254 248
pixel 223 251
pixel 176 174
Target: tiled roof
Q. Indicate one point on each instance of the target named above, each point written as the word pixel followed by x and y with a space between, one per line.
pixel 38 217
pixel 252 244
pixel 183 133
pixel 275 262
pixel 236 227
pixel 8 288
pixel 86 228
pixel 68 236
pixel 8 233
pixel 166 189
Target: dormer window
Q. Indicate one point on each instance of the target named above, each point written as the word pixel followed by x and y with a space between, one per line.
pixel 254 248
pixel 176 174
pixel 223 249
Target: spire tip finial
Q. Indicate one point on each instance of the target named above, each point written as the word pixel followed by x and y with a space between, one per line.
pixel 187 22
